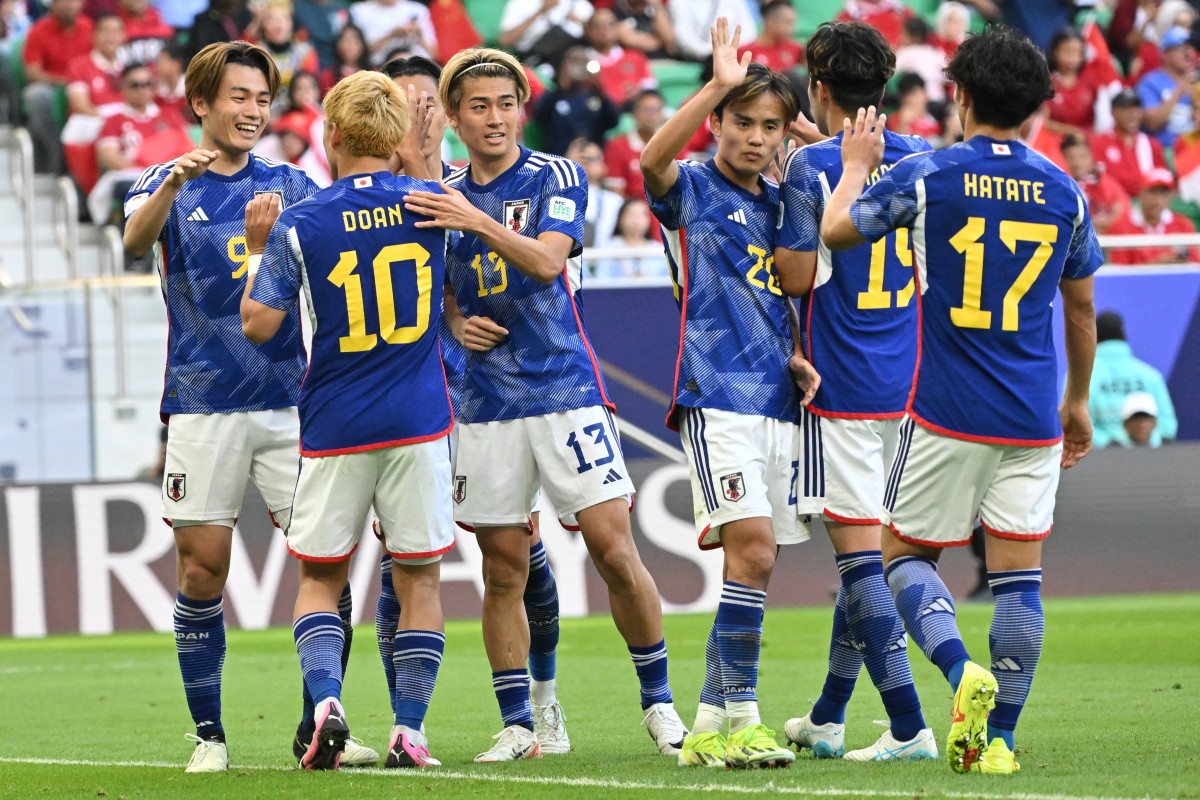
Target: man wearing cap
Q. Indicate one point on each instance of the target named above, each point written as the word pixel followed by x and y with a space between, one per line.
pixel 1118 377
pixel 1165 92
pixel 1140 415
pixel 1127 153
pixel 1153 217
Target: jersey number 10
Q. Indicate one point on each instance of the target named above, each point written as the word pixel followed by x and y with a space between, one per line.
pixel 343 276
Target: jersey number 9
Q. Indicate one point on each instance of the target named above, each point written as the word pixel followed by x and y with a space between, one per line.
pixel 343 276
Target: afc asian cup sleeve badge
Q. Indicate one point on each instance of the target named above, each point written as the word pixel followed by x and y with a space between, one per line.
pixel 460 488
pixel 733 488
pixel 516 215
pixel 176 486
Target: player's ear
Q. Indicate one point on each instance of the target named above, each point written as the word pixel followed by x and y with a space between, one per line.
pixel 714 122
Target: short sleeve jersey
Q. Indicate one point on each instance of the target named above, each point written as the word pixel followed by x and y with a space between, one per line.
pixel 995 227
pixel 211 366
pixel 546 364
pixel 859 318
pixel 735 337
pixel 373 283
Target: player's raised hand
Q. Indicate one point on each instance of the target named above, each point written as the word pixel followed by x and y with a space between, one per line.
pixel 450 210
pixel 192 165
pixel 807 379
pixel 261 213
pixel 412 147
pixel 482 334
pixel 728 70
pixel 1077 433
pixel 862 140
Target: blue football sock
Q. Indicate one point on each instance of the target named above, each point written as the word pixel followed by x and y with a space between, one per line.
pixel 319 643
pixel 418 655
pixel 541 607
pixel 512 693
pixel 387 619
pixel 650 663
pixel 876 625
pixel 927 609
pixel 1016 635
pixel 712 692
pixel 200 645
pixel 739 638
pixel 346 615
pixel 845 662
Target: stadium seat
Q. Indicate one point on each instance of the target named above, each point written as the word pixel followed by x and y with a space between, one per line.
pixel 677 80
pixel 811 13
pixel 16 64
pixel 81 163
pixel 486 14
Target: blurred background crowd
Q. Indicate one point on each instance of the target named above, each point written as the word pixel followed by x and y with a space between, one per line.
pixel 99 84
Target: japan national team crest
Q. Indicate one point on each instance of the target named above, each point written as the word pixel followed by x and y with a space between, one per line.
pixel 176 486
pixel 460 488
pixel 732 487
pixel 516 215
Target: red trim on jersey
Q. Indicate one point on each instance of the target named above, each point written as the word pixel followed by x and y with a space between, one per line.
pixel 162 415
pixel 363 448
pixel 925 542
pixel 700 540
pixel 1020 537
pixel 968 437
pixel 322 559
pixel 608 403
pixel 430 554
pixel 847 415
pixel 683 303
pixel 849 520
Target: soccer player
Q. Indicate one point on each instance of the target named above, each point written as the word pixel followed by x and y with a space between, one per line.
pixel 860 326
pixel 374 408
pixel 996 227
pixel 735 402
pixel 534 408
pixel 230 404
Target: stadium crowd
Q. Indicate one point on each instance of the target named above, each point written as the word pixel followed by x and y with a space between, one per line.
pixel 99 84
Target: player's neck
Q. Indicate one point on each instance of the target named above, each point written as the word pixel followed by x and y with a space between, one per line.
pixel 230 162
pixel 485 169
pixel 973 129
pixel 352 165
pixel 748 181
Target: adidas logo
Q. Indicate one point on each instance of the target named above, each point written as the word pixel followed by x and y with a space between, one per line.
pixel 899 644
pixel 1006 665
pixel 198 215
pixel 613 476
pixel 738 216
pixel 941 605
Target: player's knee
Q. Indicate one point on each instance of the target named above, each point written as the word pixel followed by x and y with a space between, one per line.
pixel 618 565
pixel 502 576
pixel 750 564
pixel 201 580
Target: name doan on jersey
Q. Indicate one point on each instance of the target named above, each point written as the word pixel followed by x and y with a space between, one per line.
pixel 366 219
pixel 994 187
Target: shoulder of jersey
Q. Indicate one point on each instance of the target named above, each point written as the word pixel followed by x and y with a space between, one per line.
pixel 1052 170
pixel 150 174
pixel 566 170
pixel 282 166
pixel 456 176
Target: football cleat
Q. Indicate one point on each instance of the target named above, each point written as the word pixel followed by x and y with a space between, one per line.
pixel 998 759
pixel 666 728
pixel 754 747
pixel 408 748
pixel 825 741
pixel 888 748
pixel 976 696
pixel 210 755
pixel 356 753
pixel 551 732
pixel 705 749
pixel 329 739
pixel 514 743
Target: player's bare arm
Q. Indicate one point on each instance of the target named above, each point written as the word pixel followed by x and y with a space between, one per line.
pixel 1079 319
pixel 541 259
pixel 145 224
pixel 862 153
pixel 474 333
pixel 259 322
pixel 658 158
pixel 797 270
pixel 807 379
pixel 803 131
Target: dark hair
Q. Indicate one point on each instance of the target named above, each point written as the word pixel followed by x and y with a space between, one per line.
pixel 364 59
pixel 917 29
pixel 1063 34
pixel 411 66
pixel 1004 73
pixel 130 67
pixel 174 51
pixel 626 203
pixel 770 6
pixel 297 76
pixel 1072 140
pixel 107 16
pixel 908 82
pixel 643 94
pixel 853 61
pixel 1109 325
pixel 760 80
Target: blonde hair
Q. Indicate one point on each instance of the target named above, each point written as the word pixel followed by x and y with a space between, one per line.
pixel 480 62
pixel 204 72
pixel 370 112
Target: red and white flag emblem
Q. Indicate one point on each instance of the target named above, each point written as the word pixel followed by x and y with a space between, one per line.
pixel 364 181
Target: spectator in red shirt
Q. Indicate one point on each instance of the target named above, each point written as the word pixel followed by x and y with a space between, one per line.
pixel 623 73
pixel 622 154
pixel 775 47
pixel 1128 153
pixel 350 54
pixel 169 69
pixel 919 54
pixel 94 79
pixel 912 118
pixel 1073 107
pixel 1153 217
pixel 145 32
pixel 886 16
pixel 1107 201
pixel 53 41
pixel 951 25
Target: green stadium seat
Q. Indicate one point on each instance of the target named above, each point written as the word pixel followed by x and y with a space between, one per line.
pixel 677 80
pixel 811 13
pixel 486 14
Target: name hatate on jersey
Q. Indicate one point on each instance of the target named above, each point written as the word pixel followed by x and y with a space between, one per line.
pixel 546 364
pixel 859 318
pixel 995 227
pixel 735 337
pixel 201 254
pixel 373 283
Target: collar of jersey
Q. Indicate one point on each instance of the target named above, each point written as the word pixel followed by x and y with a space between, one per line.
pixel 762 197
pixel 500 179
pixel 244 172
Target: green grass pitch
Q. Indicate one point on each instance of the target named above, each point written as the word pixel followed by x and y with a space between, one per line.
pixel 1115 713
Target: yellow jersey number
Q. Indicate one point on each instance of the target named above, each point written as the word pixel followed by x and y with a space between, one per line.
pixel 239 255
pixel 766 264
pixel 966 241
pixel 343 276
pixel 875 297
pixel 498 268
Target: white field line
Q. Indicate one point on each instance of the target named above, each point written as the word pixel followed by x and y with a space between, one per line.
pixel 594 783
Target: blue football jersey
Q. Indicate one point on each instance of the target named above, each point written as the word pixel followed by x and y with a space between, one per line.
pixel 201 255
pixel 547 364
pixel 859 319
pixel 735 336
pixel 454 360
pixel 995 227
pixel 373 282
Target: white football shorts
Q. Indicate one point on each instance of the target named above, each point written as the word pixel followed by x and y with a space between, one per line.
pixel 854 458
